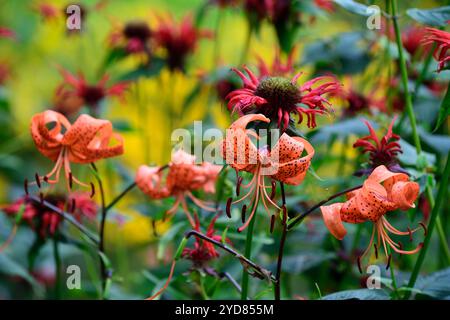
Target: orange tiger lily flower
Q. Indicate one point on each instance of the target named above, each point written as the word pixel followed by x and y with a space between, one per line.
pixel 182 178
pixel 86 141
pixel 284 163
pixel 382 192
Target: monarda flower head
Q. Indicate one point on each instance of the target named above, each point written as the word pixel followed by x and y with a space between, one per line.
pixel 87 94
pixel 277 68
pixel 183 177
pixel 442 41
pixel 278 97
pixel 383 191
pixel 47 11
pixel 179 40
pixel 44 220
pixel 7 33
pixel 203 251
pixel 86 141
pixel 133 37
pixel 283 163
pixel 381 152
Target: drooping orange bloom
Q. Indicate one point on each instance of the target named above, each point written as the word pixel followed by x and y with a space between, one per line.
pixel 86 141
pixel 382 192
pixel 183 177
pixel 284 163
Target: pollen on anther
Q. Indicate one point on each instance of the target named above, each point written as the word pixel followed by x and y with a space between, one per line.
pixel 38 180
pixel 243 212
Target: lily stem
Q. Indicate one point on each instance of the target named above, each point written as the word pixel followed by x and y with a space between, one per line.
pixel 282 243
pixel 248 253
pixel 298 218
pixel 433 219
pixel 260 271
pixel 404 74
pixel 101 245
pixel 120 196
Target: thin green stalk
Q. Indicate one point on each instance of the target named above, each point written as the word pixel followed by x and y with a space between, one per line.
pixel 248 40
pixel 434 215
pixel 439 227
pixel 248 253
pixel 101 245
pixel 216 36
pixel 57 258
pixel 394 282
pixel 404 74
pixel 120 196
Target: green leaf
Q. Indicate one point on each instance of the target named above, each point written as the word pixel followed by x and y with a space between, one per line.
pixel 167 238
pixel 112 56
pixel 410 157
pixel 10 267
pixel 444 110
pixel 360 294
pixel 434 17
pixel 146 71
pixel 297 264
pixel 355 7
pixel 436 285
pixel 122 125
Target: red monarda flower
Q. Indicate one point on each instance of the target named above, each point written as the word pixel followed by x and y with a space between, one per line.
pixel 257 8
pixel 278 97
pixel 412 39
pixel 382 152
pixel 277 68
pixel 382 192
pixel 7 33
pixel 47 11
pixel 179 40
pixel 44 220
pixel 89 94
pixel 134 37
pixel 86 141
pixel 283 163
pixel 326 5
pixel 442 40
pixel 203 251
pixel 183 177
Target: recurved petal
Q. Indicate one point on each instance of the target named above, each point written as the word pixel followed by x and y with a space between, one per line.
pixel 149 180
pixel 288 148
pixel 46 130
pixel 404 194
pixel 372 201
pixel 332 218
pixel 91 139
pixel 292 170
pixel 237 149
pixel 350 210
pixel 382 174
